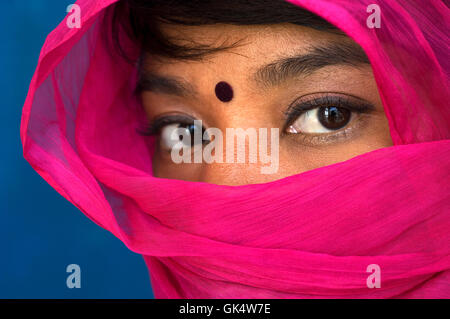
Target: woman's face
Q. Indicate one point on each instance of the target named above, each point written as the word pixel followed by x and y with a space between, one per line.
pixel 317 88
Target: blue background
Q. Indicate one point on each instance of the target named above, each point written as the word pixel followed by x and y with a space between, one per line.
pixel 41 232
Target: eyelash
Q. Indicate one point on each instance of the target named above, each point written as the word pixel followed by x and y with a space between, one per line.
pixel 296 109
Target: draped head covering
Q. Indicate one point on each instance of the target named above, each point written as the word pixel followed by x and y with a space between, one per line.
pixel 312 235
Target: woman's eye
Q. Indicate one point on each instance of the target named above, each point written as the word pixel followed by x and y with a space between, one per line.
pixel 321 120
pixel 173 134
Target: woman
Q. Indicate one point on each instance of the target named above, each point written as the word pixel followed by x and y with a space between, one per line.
pixel 339 187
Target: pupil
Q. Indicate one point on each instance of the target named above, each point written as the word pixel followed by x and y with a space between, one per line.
pixel 333 117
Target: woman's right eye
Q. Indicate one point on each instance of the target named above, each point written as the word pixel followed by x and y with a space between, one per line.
pixel 180 134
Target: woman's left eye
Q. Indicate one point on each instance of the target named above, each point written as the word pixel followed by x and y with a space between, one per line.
pixel 322 119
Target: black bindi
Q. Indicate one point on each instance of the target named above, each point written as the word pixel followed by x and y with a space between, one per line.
pixel 224 91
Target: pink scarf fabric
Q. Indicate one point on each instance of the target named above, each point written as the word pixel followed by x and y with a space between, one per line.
pixel 311 235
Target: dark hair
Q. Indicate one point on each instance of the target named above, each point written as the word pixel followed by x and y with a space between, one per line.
pixel 142 19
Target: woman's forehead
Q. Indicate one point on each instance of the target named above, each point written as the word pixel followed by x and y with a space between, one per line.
pixel 267 39
pixel 265 59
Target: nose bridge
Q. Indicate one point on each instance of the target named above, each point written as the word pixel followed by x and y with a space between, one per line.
pixel 237 164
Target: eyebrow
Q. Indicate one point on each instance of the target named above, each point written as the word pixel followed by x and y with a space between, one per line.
pixel 282 69
pixel 268 75
pixel 153 82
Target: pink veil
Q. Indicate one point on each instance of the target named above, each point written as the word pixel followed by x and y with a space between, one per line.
pixel 311 235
